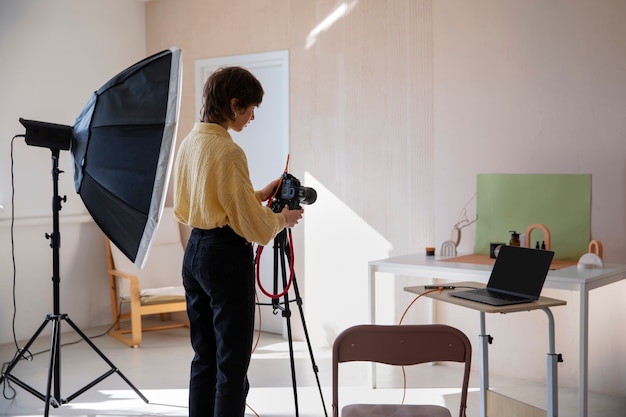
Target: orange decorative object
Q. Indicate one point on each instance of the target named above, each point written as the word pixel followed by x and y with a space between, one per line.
pixel 595 246
pixel 546 235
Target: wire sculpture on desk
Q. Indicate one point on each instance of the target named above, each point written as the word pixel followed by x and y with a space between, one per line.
pixel 461 224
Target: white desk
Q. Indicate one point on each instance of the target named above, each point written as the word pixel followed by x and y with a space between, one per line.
pixel 569 278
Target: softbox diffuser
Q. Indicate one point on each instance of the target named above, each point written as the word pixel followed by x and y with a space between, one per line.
pixel 123 148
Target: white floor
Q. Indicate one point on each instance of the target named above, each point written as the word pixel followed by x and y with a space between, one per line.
pixel 159 371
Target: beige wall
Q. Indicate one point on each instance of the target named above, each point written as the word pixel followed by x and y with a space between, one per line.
pixel 361 131
pixel 396 107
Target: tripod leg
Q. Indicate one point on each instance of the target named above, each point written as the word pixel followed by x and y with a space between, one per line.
pixel 280 243
pixel 53 368
pixel 287 315
pixel 20 355
pixel 308 342
pixel 114 369
pixel 298 300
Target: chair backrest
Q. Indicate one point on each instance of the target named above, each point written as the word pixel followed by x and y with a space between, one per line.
pixel 164 263
pixel 401 345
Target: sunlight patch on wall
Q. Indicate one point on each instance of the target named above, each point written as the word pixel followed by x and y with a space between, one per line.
pixel 338 246
pixel 342 10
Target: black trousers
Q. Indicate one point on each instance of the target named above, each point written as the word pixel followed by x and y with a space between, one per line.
pixel 218 275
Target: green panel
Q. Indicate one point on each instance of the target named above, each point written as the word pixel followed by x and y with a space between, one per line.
pixel 561 202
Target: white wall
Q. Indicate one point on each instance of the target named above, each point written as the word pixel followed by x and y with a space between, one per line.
pixel 54 56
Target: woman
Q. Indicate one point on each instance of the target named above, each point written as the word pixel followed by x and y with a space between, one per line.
pixel 213 194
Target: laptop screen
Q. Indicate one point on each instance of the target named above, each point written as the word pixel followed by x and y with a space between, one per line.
pixel 520 271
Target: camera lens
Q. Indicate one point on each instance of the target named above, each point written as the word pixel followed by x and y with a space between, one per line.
pixel 307 195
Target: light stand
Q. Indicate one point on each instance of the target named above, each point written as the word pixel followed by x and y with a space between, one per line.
pixel 281 246
pixel 53 387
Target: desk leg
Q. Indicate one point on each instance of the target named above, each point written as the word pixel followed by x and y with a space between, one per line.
pixel 583 355
pixel 552 375
pixel 371 295
pixel 484 364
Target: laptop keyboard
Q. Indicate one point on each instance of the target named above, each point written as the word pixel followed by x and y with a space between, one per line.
pixel 503 296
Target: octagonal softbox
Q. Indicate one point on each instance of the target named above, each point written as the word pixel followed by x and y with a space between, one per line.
pixel 123 148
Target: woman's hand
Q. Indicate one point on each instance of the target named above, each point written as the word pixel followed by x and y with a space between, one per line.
pixel 268 191
pixel 291 216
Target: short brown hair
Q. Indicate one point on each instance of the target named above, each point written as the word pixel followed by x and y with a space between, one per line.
pixel 222 86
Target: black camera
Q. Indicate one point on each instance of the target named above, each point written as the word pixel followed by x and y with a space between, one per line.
pixel 291 193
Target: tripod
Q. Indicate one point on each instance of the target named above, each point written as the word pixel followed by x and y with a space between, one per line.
pixel 53 386
pixel 281 251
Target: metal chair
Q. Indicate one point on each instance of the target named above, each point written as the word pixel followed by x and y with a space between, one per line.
pixel 400 345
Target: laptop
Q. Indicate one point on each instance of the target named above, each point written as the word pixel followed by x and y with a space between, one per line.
pixel 517 277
